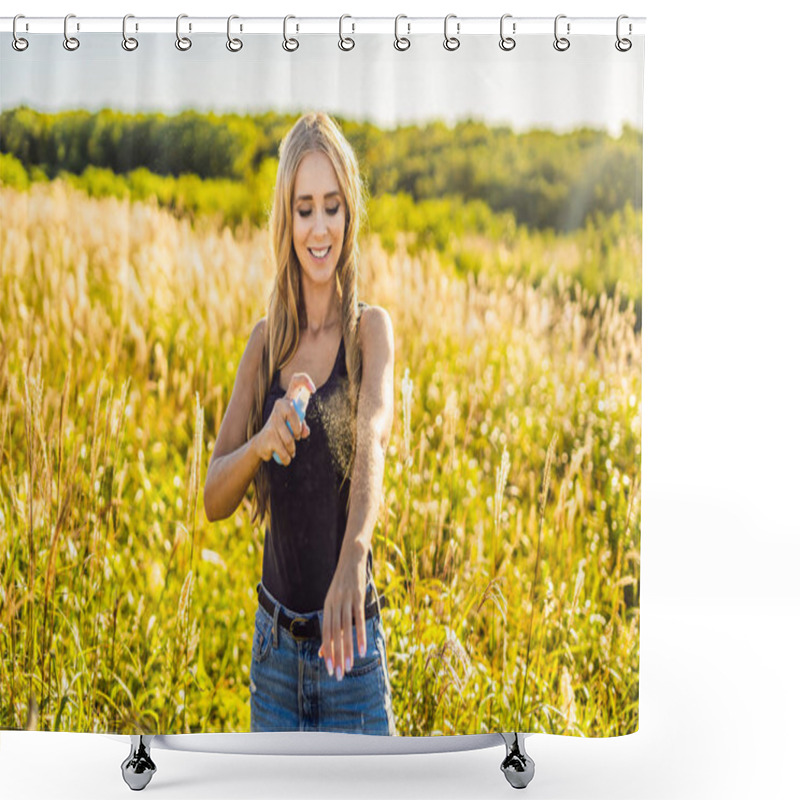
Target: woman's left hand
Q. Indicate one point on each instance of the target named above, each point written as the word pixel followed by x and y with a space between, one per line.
pixel 344 601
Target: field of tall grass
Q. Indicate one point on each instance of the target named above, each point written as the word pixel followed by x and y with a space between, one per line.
pixel 508 543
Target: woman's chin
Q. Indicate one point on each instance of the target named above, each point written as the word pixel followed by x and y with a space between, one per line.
pixel 319 274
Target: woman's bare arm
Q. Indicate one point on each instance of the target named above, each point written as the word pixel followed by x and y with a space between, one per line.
pixel 235 460
pixel 373 426
pixel 346 595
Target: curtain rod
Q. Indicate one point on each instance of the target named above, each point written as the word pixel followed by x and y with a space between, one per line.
pixel 460 26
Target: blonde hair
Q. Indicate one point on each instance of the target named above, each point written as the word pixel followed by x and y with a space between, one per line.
pixel 313 132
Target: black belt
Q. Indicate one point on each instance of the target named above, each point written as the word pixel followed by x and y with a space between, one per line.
pixel 302 628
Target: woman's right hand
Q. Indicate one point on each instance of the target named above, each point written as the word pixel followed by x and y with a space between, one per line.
pixel 275 437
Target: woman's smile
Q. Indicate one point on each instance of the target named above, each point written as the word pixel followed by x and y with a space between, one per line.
pixel 319 254
pixel 318 218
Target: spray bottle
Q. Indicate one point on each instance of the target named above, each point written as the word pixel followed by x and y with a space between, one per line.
pixel 300 403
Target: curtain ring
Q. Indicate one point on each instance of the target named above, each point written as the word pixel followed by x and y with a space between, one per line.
pixel 183 43
pixel 289 45
pixel 234 45
pixel 128 42
pixel 560 40
pixel 401 42
pixel 18 43
pixel 70 42
pixel 506 42
pixel 451 42
pixel 345 42
pixel 623 45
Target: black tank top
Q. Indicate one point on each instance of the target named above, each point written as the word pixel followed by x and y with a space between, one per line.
pixel 308 500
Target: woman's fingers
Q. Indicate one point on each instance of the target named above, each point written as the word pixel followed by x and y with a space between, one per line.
pixel 333 641
pixel 338 644
pixel 327 637
pixel 331 626
pixel 347 636
pixel 293 421
pixel 283 443
pixel 300 379
pixel 287 440
pixel 337 636
pixel 361 631
pixel 283 455
pixel 287 429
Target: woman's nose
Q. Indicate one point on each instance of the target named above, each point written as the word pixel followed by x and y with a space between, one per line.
pixel 320 224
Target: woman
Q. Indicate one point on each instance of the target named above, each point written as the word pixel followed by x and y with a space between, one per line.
pixel 319 655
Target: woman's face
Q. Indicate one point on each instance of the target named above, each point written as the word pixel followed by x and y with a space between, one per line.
pixel 318 215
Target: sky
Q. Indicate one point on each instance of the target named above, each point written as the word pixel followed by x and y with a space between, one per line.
pixel 532 86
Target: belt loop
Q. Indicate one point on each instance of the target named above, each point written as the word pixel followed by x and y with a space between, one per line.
pixel 276 626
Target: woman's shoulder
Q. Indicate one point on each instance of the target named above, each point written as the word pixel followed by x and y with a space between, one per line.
pixel 254 349
pixel 372 314
pixel 367 311
pixel 258 336
pixel 259 329
pixel 375 326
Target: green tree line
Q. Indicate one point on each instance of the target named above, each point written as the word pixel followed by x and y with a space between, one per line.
pixel 543 178
pixel 467 235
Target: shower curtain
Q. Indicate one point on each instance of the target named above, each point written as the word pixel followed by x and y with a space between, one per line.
pixel 498 261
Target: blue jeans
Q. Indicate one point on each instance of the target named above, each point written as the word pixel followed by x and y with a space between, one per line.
pixel 290 689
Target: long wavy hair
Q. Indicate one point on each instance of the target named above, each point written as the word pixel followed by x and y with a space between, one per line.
pixel 313 132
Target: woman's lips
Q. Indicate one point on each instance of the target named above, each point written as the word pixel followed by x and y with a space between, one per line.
pixel 324 252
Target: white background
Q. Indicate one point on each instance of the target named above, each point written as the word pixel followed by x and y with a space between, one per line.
pixel 720 702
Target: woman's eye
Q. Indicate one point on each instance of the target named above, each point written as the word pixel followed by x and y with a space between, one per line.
pixel 306 212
